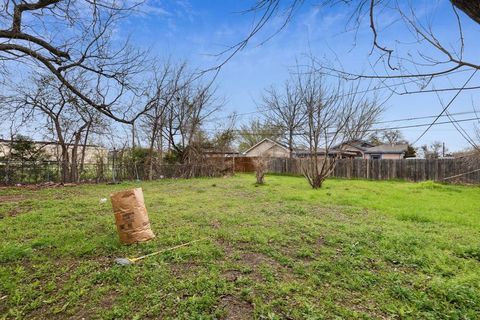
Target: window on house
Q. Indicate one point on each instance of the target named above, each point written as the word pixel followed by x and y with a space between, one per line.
pixel 376 156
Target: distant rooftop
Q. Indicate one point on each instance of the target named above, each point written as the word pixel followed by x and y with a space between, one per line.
pixel 321 151
pixel 357 143
pixel 388 148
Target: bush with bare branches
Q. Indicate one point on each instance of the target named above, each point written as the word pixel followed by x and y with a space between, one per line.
pixel 261 167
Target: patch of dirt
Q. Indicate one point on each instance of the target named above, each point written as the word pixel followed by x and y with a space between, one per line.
pixel 44 185
pixel 242 254
pixel 108 299
pixel 228 247
pixel 88 311
pixel 3 304
pixel 255 259
pixel 12 198
pixel 320 242
pixel 363 308
pixel 291 249
pixel 18 210
pixel 236 309
pixel 232 275
pixel 215 224
pixel 181 269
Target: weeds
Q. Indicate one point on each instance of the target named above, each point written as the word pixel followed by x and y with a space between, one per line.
pixel 355 249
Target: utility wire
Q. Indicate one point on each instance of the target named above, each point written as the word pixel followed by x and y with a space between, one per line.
pixel 462 131
pixel 423 117
pixel 260 111
pixel 375 122
pixel 457 126
pixel 280 132
pixel 446 107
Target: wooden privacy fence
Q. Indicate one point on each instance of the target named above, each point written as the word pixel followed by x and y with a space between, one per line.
pixel 448 170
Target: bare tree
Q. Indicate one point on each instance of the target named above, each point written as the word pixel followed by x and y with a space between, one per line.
pixel 388 136
pixel 194 103
pixel 334 113
pixel 321 104
pixel 434 151
pixel 93 124
pixel 163 92
pixel 284 110
pixel 64 38
pixel 45 102
pixel 224 136
pixel 255 131
pixel 361 111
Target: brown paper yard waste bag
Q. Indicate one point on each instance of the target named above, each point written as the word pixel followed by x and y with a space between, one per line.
pixel 131 216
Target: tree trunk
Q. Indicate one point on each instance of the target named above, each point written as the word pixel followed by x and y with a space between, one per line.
pixel 82 160
pixel 73 165
pixel 65 172
pixel 160 148
pixel 290 144
pixel 75 177
pixel 133 135
pixel 150 150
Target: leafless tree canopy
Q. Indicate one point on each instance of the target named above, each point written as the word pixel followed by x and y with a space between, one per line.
pixel 261 167
pixel 335 113
pixel 387 136
pixel 285 110
pixel 179 106
pixel 405 64
pixel 254 131
pixel 434 151
pixel 67 38
pixel 192 107
pixel 162 95
pixel 45 102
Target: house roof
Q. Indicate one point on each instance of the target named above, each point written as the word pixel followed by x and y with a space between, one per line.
pixel 266 140
pixel 358 144
pixel 321 151
pixel 220 152
pixel 388 148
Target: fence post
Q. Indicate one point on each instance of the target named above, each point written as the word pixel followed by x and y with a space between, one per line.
pixel 368 168
pixel 113 164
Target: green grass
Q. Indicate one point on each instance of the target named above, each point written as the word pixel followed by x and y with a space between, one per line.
pixel 354 249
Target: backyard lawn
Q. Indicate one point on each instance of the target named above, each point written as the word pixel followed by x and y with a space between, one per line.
pixel 353 249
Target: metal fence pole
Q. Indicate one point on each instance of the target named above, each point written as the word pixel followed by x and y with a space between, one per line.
pixel 113 164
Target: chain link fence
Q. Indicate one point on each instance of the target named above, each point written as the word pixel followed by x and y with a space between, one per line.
pixel 12 173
